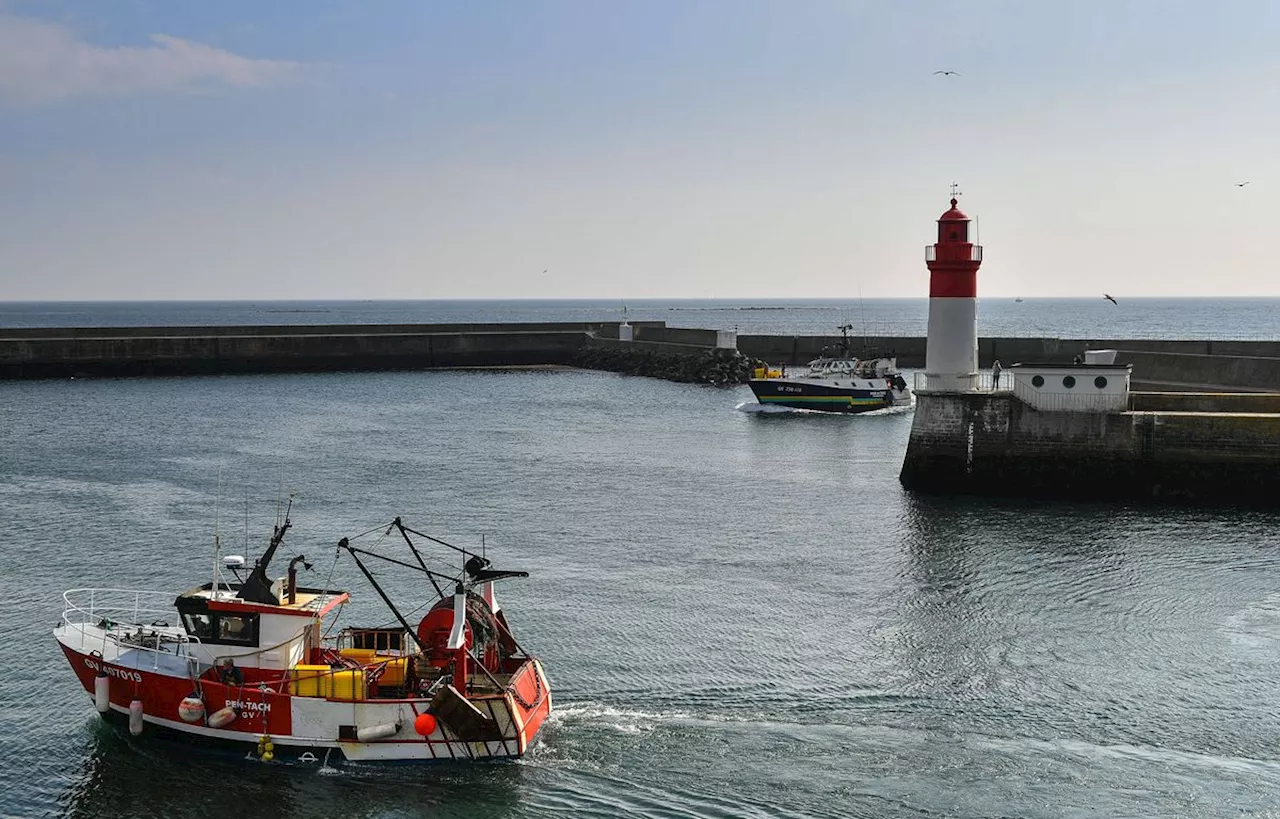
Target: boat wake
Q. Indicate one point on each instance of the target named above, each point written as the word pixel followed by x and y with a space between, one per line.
pixel 754 408
pixel 763 409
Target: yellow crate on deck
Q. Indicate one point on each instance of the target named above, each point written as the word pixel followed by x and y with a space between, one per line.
pixel 395 670
pixel 349 684
pixel 310 681
pixel 364 656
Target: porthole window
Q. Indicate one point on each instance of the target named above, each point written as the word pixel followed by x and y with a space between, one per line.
pixel 1100 382
pixel 1069 381
pixel 1037 381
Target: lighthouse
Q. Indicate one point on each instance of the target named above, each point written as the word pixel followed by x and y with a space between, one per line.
pixel 951 357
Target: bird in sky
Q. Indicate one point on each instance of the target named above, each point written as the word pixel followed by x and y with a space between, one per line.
pixel 1241 184
pixel 957 73
pixel 1111 299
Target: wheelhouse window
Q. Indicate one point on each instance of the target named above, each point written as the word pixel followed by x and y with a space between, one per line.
pixel 198 625
pixel 241 630
pixel 222 629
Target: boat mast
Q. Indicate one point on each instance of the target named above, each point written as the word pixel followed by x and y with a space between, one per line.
pixel 351 550
pixel 217 544
pixel 257 589
pixel 404 534
pixel 845 350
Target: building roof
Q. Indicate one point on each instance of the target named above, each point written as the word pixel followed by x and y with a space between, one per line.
pixel 1066 365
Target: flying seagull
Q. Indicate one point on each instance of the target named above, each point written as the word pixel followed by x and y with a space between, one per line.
pixel 957 73
pixel 1111 299
pixel 1241 184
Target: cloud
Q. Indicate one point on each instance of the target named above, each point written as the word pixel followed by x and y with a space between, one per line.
pixel 42 62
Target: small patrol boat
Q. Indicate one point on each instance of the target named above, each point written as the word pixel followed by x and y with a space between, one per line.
pixel 248 664
pixel 839 382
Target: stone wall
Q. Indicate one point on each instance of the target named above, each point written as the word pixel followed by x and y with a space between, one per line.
pixel 194 354
pixel 994 444
pixel 671 362
pixel 1196 373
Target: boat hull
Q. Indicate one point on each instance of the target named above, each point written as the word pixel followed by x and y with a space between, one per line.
pixel 825 397
pixel 307 728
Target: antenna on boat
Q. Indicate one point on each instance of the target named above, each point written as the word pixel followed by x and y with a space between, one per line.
pixel 279 492
pixel 257 589
pixel 862 308
pixel 844 339
pixel 217 543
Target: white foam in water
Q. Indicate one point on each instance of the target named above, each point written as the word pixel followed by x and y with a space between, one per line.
pixel 1255 629
pixel 634 721
pixel 766 409
pixel 773 409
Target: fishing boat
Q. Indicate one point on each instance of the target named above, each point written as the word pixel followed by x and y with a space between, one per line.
pixel 246 664
pixel 839 382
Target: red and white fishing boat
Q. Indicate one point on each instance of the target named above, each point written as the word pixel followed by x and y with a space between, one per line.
pixel 246 664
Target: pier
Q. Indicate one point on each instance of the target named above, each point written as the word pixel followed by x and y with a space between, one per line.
pixel 1173 446
pixel 61 352
pixel 1128 420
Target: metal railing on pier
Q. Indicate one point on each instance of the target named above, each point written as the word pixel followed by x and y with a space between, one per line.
pixel 986 382
pixel 980 382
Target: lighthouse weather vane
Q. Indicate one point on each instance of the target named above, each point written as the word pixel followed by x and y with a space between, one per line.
pixel 955 190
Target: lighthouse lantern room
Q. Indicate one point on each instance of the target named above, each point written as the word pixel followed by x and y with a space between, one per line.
pixel 951 357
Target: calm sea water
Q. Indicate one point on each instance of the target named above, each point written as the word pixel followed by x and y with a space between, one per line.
pixel 1238 318
pixel 742 614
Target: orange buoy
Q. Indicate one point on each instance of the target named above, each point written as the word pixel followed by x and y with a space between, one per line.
pixel 425 724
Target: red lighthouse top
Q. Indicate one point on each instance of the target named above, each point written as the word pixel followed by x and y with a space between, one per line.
pixel 954 260
pixel 953 215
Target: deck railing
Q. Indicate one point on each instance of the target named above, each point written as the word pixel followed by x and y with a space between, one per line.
pixel 131 618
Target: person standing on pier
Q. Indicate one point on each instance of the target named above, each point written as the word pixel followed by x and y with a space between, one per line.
pixel 995 374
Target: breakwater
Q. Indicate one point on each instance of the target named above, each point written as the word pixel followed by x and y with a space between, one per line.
pixel 695 365
pixel 140 351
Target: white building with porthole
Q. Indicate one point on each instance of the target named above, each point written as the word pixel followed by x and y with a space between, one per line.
pixel 1073 387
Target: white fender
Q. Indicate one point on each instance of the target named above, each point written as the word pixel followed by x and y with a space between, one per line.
pixel 191 709
pixel 218 719
pixel 458 634
pixel 372 732
pixel 135 717
pixel 102 693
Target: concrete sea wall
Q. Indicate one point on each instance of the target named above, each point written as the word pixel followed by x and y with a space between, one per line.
pixel 121 351
pixel 189 355
pixel 132 351
pixel 1194 372
pixel 994 444
pixel 910 350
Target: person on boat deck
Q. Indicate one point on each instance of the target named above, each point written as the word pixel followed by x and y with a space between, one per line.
pixel 229 674
pixel 995 374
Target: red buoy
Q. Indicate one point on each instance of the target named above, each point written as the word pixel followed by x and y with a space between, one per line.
pixel 425 725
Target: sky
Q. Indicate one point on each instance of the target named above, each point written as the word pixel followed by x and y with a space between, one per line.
pixel 312 149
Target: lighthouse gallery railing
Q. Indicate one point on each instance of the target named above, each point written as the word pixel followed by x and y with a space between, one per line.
pixel 931 253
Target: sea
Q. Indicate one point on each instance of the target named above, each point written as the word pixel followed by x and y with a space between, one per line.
pixel 741 612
